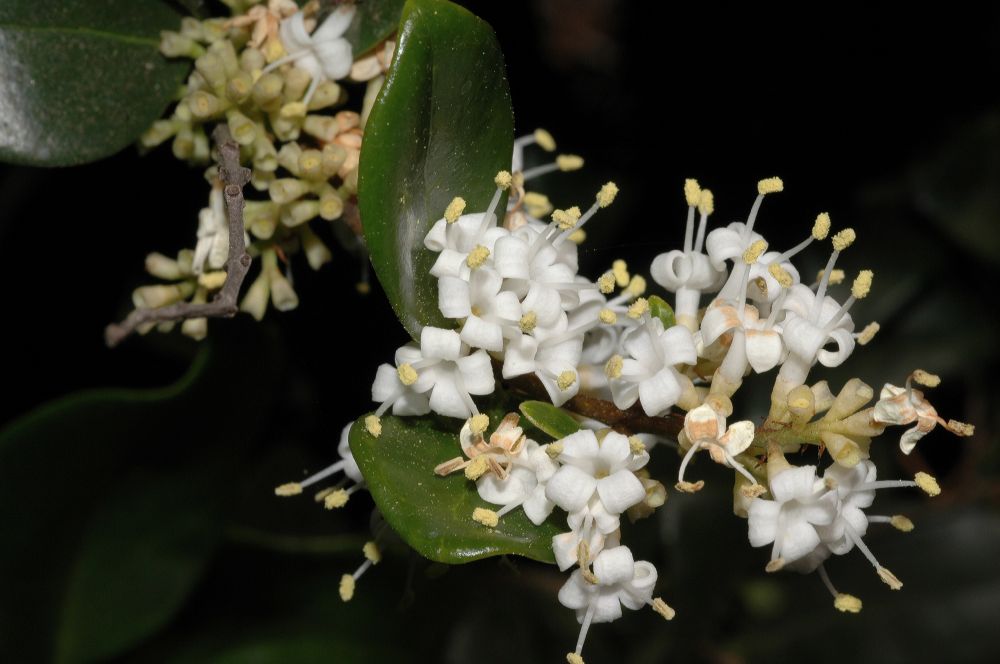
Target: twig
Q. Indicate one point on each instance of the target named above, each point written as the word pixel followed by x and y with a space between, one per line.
pixel 224 304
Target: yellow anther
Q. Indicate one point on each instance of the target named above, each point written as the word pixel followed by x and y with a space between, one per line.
pixel 477 256
pixel 565 380
pixel 706 202
pixel 335 499
pixel 636 285
pixel 566 219
pixel 407 374
pixel 692 192
pixel 372 553
pixel 573 658
pixel 577 236
pixel 847 603
pixel 502 179
pixel 900 522
pixel 890 579
pixel 528 322
pixel 821 228
pixel 620 269
pixel 752 491
pixel 770 186
pixel 961 428
pixel 606 283
pixel 867 334
pixel 478 423
pixel 477 468
pixel 690 487
pixel 780 274
pixel 928 484
pixel 606 196
pixel 486 517
pixel 862 284
pixel 636 445
pixel 663 609
pixel 638 308
pixel 613 367
pixel 373 425
pixel 754 252
pixel 346 587
pixel 775 565
pixel 926 378
pixel 569 162
pixel 836 277
pixel 608 317
pixel 538 205
pixel 290 489
pixel 554 450
pixel 454 209
pixel 545 140
pixel 843 239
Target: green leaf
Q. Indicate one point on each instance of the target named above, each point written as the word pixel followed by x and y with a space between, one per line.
pixel 441 127
pixel 80 80
pixel 434 514
pixel 374 21
pixel 554 421
pixel 659 308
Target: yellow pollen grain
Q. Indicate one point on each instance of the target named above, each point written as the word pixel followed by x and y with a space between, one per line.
pixel 544 140
pixel 836 277
pixel 638 308
pixel 290 489
pixel 335 499
pixel 847 603
pixel 606 196
pixel 690 487
pixel 503 179
pixel 843 239
pixel 606 283
pixel 407 374
pixel 577 236
pixel 821 227
pixel 926 378
pixel 477 468
pixel 477 256
pixel 754 252
pixel 538 205
pixel 692 192
pixel 569 162
pixel 608 317
pixel 486 517
pixel 566 380
pixel 620 269
pixel 928 484
pixel 372 553
pixel 867 334
pixel 566 219
pixel 573 658
pixel 454 209
pixel 554 450
pixel 373 425
pixel 636 445
pixel 706 202
pixel 636 286
pixel 663 609
pixel 753 490
pixel 770 186
pixel 961 428
pixel 901 523
pixel 528 322
pixel 613 367
pixel 862 284
pixel 780 274
pixel 346 588
pixel 890 579
pixel 478 423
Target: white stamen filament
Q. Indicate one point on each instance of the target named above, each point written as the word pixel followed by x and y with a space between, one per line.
pixel 826 580
pixel 689 229
pixel 541 170
pixel 885 484
pixel 323 474
pixel 585 627
pixel 861 545
pixel 821 289
pixel 494 202
pixel 700 240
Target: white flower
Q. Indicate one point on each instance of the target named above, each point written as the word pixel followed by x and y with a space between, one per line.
pixel 905 405
pixel 490 313
pixel 325 54
pixel 455 241
pixel 761 348
pixel 524 487
pixel 566 546
pixel 535 270
pixel 597 481
pixel 440 370
pixel 212 248
pixel 647 374
pixel 809 326
pixel 338 495
pixel 852 488
pixel 553 358
pixel 705 428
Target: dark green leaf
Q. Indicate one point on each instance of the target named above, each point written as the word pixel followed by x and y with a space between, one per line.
pixel 374 21
pixel 434 514
pixel 80 80
pixel 554 421
pixel 441 127
pixel 659 308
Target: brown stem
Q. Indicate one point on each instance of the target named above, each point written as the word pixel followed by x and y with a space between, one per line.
pixel 224 304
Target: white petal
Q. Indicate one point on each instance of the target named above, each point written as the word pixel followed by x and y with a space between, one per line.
pixel 909 439
pixel 570 488
pixel 453 297
pixel 500 492
pixel 293 33
pixel 624 392
pixel 436 238
pixel 386 383
pixel 579 447
pixel 565 548
pixel 537 506
pixel 615 451
pixel 335 24
pixel 447 400
pixel 659 392
pixel 678 346
pixel 335 58
pixel 477 372
pixel 545 302
pixel 671 270
pixel 607 607
pixel 510 258
pixel 764 349
pixel 575 593
pixel 717 321
pixel 519 358
pixel 845 346
pixel 614 565
pixel 449 263
pixel 436 343
pixel 411 403
pixel 620 491
pixel 739 436
pixel 762 519
pixel 798 539
pixel 479 333
pixel 794 483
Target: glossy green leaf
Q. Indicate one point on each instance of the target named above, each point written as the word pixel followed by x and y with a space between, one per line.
pixel 79 79
pixel 374 21
pixel 553 420
pixel 434 514
pixel 659 308
pixel 441 127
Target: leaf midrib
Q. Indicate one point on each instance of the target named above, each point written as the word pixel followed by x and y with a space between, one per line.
pixel 84 32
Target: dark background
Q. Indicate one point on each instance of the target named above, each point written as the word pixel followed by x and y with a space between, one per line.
pixel 888 119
